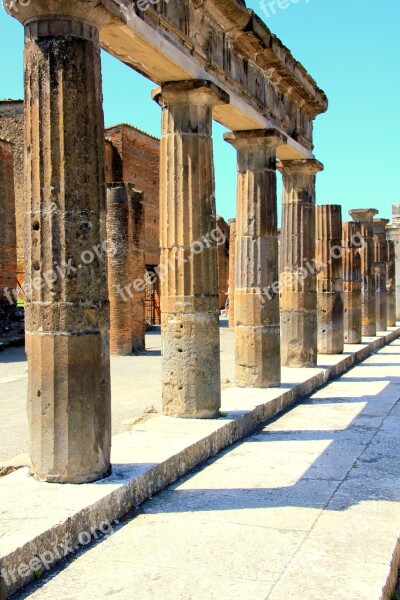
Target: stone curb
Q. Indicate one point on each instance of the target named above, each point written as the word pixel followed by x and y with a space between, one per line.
pixel 165 449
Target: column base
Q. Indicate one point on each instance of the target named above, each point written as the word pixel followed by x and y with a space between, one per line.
pixel 69 406
pixel 330 323
pixel 257 351
pixel 191 365
pixel 299 338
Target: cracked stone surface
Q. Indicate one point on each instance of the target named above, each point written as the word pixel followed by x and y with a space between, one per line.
pixel 308 507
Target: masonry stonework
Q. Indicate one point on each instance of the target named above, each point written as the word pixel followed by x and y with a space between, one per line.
pixel 8 256
pixel 351 250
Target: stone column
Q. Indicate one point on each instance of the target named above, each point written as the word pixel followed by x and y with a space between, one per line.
pixel 232 262
pixel 189 299
pixel 393 234
pixel 67 310
pixel 119 269
pixel 298 276
pixel 380 266
pixel 257 329
pixel 329 279
pixel 351 250
pixel 391 283
pixel 365 216
pixel 138 268
pixel 8 242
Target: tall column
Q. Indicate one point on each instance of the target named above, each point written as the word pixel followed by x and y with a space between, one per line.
pixel 329 279
pixel 138 267
pixel 257 329
pixel 8 242
pixel 391 283
pixel 365 216
pixel 298 277
pixel 119 269
pixel 232 262
pixel 380 265
pixel 351 258
pixel 189 300
pixel 67 310
pixel 393 234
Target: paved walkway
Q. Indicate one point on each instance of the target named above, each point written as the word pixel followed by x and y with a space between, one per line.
pixel 135 387
pixel 307 508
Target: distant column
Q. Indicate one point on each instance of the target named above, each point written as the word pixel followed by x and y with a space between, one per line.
pixel 257 319
pixel 298 276
pixel 329 279
pixel 232 263
pixel 119 269
pixel 8 242
pixel 393 234
pixel 391 283
pixel 138 267
pixel 365 216
pixel 380 266
pixel 351 249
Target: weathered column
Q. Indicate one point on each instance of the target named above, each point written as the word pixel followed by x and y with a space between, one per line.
pixel 67 310
pixel 351 250
pixel 119 269
pixel 380 265
pixel 365 217
pixel 138 268
pixel 329 279
pixel 257 318
pixel 232 262
pixel 8 242
pixel 298 276
pixel 189 299
pixel 391 283
pixel 393 234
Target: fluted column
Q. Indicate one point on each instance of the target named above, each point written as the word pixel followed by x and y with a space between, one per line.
pixel 8 242
pixel 351 257
pixel 365 216
pixel 119 269
pixel 391 283
pixel 189 301
pixel 257 330
pixel 380 266
pixel 67 310
pixel 298 275
pixel 138 267
pixel 232 262
pixel 329 279
pixel 393 234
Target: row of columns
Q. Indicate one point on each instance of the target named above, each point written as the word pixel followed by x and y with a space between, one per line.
pixel 67 318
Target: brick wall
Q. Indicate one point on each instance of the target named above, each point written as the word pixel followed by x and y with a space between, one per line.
pixel 136 154
pixel 12 130
pixel 8 257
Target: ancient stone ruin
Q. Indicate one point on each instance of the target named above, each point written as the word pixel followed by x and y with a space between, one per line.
pixel 96 221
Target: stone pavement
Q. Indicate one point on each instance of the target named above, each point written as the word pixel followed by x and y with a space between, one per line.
pixel 306 508
pixel 135 386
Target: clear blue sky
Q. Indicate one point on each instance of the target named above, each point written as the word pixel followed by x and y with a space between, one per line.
pixel 351 48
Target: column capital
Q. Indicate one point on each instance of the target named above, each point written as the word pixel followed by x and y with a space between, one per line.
pixel 261 138
pixel 59 18
pixel 303 166
pixel 191 91
pixel 363 215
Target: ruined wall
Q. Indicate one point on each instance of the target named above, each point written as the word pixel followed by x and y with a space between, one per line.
pixel 136 155
pixel 8 258
pixel 12 130
pixel 223 262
